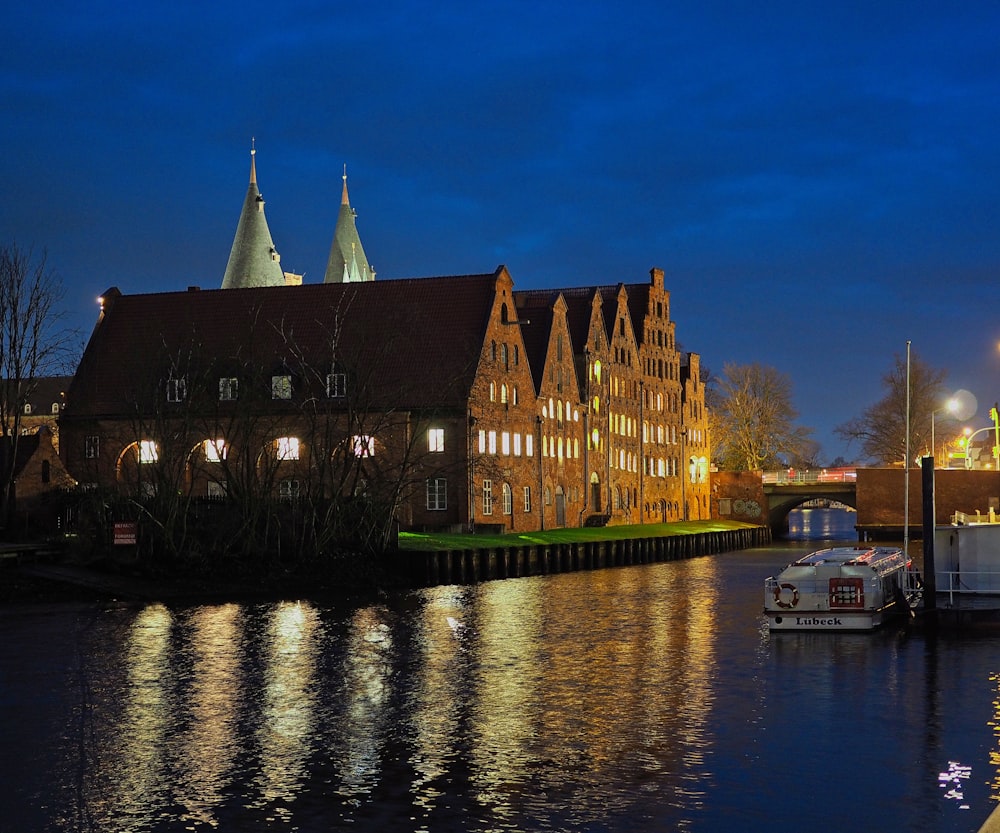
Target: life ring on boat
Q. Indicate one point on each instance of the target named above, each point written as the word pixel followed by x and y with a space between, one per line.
pixel 795 595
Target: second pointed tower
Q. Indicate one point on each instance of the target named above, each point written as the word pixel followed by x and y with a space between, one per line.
pixel 347 262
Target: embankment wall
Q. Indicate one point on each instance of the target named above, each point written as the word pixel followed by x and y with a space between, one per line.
pixel 468 566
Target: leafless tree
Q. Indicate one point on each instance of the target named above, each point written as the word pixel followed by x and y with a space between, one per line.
pixel 881 428
pixel 33 343
pixel 752 421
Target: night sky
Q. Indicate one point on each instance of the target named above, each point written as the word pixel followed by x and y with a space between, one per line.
pixel 818 180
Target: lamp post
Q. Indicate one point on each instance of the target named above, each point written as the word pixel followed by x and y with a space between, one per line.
pixel 949 407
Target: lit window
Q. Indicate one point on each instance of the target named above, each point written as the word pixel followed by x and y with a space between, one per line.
pixel 487 497
pixel 437 494
pixel 503 394
pixel 229 388
pixel 176 389
pixel 493 391
pixel 505 442
pixel 482 442
pixel 529 445
pixel 148 452
pixel 92 447
pixel 527 498
pixel 493 442
pixel 435 439
pixel 508 500
pixel 517 445
pixel 287 448
pixel 336 385
pixel 363 445
pixel 55 407
pixel 281 387
pixel 215 450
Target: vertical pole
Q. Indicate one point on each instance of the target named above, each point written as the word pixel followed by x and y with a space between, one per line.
pixel 906 464
pixel 930 577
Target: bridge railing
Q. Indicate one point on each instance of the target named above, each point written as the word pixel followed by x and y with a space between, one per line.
pixel 789 477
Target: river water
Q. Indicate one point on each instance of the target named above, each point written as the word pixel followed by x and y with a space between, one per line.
pixel 647 698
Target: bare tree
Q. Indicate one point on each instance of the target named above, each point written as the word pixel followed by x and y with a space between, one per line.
pixel 33 344
pixel 752 420
pixel 881 428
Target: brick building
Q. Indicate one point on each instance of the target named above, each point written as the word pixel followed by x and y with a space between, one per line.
pixel 462 402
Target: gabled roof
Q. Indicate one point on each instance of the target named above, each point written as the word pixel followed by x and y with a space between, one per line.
pixel 253 260
pixel 347 262
pixel 418 340
pixel 534 311
pixel 46 391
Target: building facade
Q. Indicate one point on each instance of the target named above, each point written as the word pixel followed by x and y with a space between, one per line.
pixel 470 404
pixel 459 402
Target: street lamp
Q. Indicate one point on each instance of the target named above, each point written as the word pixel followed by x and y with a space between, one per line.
pixel 950 407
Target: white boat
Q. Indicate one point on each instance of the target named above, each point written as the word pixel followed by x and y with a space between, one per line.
pixel 841 588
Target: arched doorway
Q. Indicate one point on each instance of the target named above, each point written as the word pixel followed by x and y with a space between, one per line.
pixel 595 492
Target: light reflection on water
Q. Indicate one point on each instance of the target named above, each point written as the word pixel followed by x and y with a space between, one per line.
pixel 642 699
pixel 822 524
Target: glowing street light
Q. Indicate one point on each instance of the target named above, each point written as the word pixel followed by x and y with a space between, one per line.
pixel 950 407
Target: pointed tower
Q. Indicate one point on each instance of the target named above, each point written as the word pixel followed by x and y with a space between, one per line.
pixel 253 260
pixel 347 262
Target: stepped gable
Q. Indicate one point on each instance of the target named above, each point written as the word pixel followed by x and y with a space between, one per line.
pixel 417 340
pixel 253 259
pixel 535 306
pixel 347 262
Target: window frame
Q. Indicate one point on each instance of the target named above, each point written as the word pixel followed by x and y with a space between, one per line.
pixel 287 449
pixel 435 440
pixel 281 387
pixel 336 384
pixel 229 388
pixel 437 494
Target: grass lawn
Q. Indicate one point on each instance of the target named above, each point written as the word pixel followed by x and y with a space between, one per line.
pixel 442 541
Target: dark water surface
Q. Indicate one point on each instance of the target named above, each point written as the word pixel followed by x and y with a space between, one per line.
pixel 636 699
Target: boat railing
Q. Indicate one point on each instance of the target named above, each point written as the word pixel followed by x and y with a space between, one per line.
pixel 966 582
pixel 802 585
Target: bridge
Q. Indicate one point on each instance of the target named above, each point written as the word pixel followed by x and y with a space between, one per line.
pixel 787 489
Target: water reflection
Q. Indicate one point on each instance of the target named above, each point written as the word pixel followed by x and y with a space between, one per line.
pixel 286 731
pixel 818 523
pixel 207 746
pixel 367 674
pixel 138 774
pixel 647 698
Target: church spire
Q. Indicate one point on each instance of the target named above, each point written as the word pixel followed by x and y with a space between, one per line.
pixel 347 262
pixel 253 260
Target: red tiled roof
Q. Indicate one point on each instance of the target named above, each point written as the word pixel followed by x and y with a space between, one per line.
pixel 421 337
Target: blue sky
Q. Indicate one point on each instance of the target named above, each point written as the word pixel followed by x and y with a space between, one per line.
pixel 817 180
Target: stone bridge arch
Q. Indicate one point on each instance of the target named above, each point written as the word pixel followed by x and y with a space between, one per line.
pixel 783 498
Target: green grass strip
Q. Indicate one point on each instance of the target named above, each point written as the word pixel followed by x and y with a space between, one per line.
pixel 424 541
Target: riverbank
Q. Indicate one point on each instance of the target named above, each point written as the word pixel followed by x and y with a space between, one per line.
pixel 31 574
